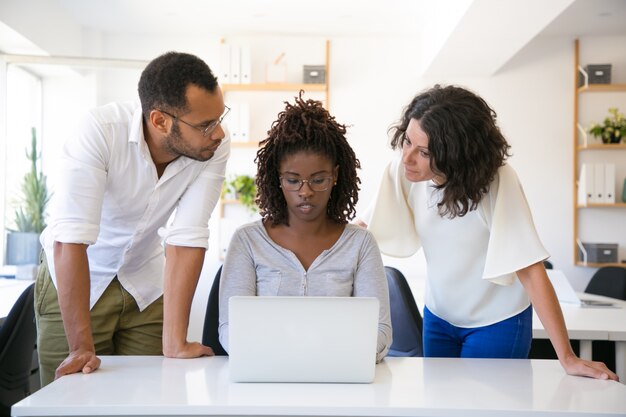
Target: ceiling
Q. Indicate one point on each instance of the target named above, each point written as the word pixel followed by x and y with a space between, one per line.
pixel 322 17
pixel 452 34
pixel 243 17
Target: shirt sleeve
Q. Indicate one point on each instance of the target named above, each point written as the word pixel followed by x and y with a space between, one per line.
pixel 370 281
pixel 190 226
pixel 390 217
pixel 238 278
pixel 79 192
pixel 513 241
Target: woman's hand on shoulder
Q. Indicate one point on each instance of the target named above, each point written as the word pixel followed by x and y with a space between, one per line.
pixel 581 367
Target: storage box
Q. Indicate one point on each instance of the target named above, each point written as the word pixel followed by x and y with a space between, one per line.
pixel 598 252
pixel 314 74
pixel 599 73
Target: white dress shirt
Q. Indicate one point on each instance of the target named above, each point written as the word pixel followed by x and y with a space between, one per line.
pixel 471 260
pixel 110 197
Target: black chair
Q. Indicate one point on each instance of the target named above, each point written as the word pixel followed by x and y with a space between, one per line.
pixel 547 264
pixel 609 281
pixel 18 338
pixel 210 335
pixel 406 319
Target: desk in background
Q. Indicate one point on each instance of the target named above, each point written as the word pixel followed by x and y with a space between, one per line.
pixel 594 323
pixel 10 291
pixel 153 385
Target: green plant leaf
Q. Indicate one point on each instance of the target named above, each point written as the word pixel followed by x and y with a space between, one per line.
pixel 30 215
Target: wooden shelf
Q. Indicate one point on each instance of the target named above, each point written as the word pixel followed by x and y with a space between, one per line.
pixel 602 88
pixel 602 147
pixel 600 265
pixel 602 205
pixel 274 87
pixel 580 148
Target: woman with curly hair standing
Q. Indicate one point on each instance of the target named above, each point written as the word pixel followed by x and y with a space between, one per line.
pixel 303 246
pixel 451 192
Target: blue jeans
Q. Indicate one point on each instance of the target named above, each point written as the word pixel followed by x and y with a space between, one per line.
pixel 508 338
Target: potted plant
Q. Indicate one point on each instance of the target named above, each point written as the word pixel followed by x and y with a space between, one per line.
pixel 23 245
pixel 242 188
pixel 612 129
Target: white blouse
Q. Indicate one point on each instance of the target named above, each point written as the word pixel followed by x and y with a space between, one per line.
pixel 471 260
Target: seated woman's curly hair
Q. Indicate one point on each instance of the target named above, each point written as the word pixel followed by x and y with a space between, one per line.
pixel 306 126
pixel 465 144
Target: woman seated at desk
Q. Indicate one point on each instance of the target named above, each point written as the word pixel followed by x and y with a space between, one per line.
pixel 303 245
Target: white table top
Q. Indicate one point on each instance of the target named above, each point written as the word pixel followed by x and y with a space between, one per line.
pixel 590 322
pixel 10 291
pixel 142 385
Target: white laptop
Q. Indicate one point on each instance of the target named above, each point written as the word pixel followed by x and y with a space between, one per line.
pixel 302 339
pixel 565 292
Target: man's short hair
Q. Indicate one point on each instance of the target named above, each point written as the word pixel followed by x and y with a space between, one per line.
pixel 164 81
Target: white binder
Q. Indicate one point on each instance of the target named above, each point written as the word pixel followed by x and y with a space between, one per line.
pixel 224 74
pixel 245 65
pixel 233 122
pixel 585 184
pixel 598 184
pixel 244 122
pixel 609 183
pixel 235 64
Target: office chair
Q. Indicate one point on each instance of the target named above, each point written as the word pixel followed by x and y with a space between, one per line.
pixel 406 319
pixel 609 281
pixel 210 335
pixel 547 265
pixel 18 338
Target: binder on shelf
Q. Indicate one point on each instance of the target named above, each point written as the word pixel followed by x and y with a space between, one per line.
pixel 609 183
pixel 235 64
pixel 598 184
pixel 233 123
pixel 245 65
pixel 585 184
pixel 244 122
pixel 224 74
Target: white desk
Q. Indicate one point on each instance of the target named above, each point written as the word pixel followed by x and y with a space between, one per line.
pixel 594 323
pixel 143 385
pixel 10 291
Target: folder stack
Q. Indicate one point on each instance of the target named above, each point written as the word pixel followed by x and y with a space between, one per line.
pixel 235 65
pixel 596 184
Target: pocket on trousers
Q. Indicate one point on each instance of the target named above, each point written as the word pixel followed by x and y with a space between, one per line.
pixel 46 297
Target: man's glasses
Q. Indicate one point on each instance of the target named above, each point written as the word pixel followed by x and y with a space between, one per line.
pixel 205 130
pixel 316 184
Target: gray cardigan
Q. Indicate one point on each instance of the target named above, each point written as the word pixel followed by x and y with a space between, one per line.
pixel 352 267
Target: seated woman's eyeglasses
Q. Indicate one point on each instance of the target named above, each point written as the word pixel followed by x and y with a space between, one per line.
pixel 205 129
pixel 316 184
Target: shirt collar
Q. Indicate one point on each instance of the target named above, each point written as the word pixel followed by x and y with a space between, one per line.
pixel 135 133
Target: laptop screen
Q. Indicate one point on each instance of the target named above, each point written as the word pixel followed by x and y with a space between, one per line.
pixel 302 339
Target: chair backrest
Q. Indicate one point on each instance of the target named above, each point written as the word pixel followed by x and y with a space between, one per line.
pixel 210 335
pixel 406 319
pixel 609 281
pixel 18 338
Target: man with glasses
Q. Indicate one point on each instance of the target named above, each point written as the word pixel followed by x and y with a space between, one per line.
pixel 118 271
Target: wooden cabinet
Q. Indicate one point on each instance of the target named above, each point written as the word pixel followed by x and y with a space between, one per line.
pixel 597 222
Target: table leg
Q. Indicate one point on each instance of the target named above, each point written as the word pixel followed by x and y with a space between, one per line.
pixel 585 349
pixel 620 360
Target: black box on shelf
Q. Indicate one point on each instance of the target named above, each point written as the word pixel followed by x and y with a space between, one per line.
pixel 598 252
pixel 314 74
pixel 599 73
